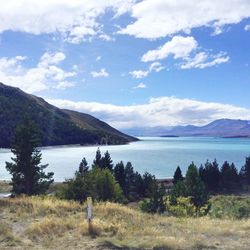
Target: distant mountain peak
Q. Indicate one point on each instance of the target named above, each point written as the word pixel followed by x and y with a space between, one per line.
pixel 219 128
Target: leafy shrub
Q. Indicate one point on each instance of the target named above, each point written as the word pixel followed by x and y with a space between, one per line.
pixel 232 207
pixel 154 204
pixel 185 208
pixel 98 183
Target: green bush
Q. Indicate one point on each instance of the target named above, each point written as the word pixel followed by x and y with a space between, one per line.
pixel 98 183
pixel 185 208
pixel 156 203
pixel 232 207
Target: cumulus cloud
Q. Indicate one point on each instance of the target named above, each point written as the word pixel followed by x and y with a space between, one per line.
pixel 203 60
pixel 98 58
pixel 140 86
pixel 247 27
pixel 161 111
pixel 75 20
pixel 187 49
pixel 153 67
pixel 156 66
pixel 46 74
pixel 101 73
pixel 179 47
pixel 138 74
pixel 160 18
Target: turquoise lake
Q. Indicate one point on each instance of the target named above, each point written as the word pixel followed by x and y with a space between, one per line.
pixel 159 156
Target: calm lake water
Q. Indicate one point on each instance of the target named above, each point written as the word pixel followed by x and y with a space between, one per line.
pixel 159 156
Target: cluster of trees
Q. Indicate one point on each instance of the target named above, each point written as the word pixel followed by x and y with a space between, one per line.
pixel 209 179
pixel 191 186
pixel 104 181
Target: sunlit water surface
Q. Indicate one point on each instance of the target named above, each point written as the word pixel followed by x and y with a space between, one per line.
pixel 159 156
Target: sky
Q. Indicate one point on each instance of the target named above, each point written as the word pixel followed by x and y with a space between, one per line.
pixel 131 63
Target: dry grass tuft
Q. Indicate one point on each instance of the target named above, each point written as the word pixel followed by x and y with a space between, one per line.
pixel 6 236
pixel 49 222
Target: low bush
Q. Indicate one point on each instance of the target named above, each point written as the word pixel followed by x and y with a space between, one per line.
pixel 230 207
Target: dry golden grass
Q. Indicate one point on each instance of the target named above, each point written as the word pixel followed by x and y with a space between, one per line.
pixel 48 223
pixel 5 187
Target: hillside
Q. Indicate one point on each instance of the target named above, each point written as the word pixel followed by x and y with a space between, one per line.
pixel 217 128
pixel 48 223
pixel 58 127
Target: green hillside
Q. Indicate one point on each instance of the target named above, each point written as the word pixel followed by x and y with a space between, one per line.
pixel 58 127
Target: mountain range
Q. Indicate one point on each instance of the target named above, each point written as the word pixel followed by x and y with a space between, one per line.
pixel 218 128
pixel 57 126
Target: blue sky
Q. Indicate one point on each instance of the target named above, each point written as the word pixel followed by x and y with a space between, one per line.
pixel 131 63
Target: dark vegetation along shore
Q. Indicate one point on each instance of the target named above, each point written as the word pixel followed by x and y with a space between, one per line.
pixel 208 208
pixel 57 126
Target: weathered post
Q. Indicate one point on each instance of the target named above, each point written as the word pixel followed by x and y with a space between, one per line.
pixel 90 215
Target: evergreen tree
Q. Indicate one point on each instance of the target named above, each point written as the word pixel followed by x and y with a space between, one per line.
pixel 177 175
pixel 129 190
pixel 28 176
pixel 155 204
pixel 229 177
pixel 195 187
pixel 119 173
pixel 149 181
pixel 139 185
pixel 98 159
pixel 107 162
pixel 245 172
pixel 77 188
pixel 83 167
pixel 179 190
pixel 215 177
pixel 210 175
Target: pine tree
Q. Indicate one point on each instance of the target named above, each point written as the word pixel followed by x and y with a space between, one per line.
pixel 177 175
pixel 119 173
pixel 210 175
pixel 83 167
pixel 179 190
pixel 28 176
pixel 149 181
pixel 129 190
pixel 98 159
pixel 245 172
pixel 195 187
pixel 107 162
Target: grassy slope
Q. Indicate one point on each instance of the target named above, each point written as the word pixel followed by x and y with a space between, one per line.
pixel 36 223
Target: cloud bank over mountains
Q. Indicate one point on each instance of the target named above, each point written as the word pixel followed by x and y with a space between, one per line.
pixel 161 111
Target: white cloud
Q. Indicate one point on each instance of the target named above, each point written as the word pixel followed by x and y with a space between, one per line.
pixel 101 73
pixel 46 74
pixel 203 60
pixel 247 27
pixel 106 37
pixel 160 18
pixel 75 20
pixel 161 111
pixel 98 58
pixel 156 66
pixel 140 86
pixel 64 85
pixel 179 47
pixel 138 74
pixel 186 49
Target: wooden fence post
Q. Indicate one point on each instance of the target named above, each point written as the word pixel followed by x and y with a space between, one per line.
pixel 90 215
